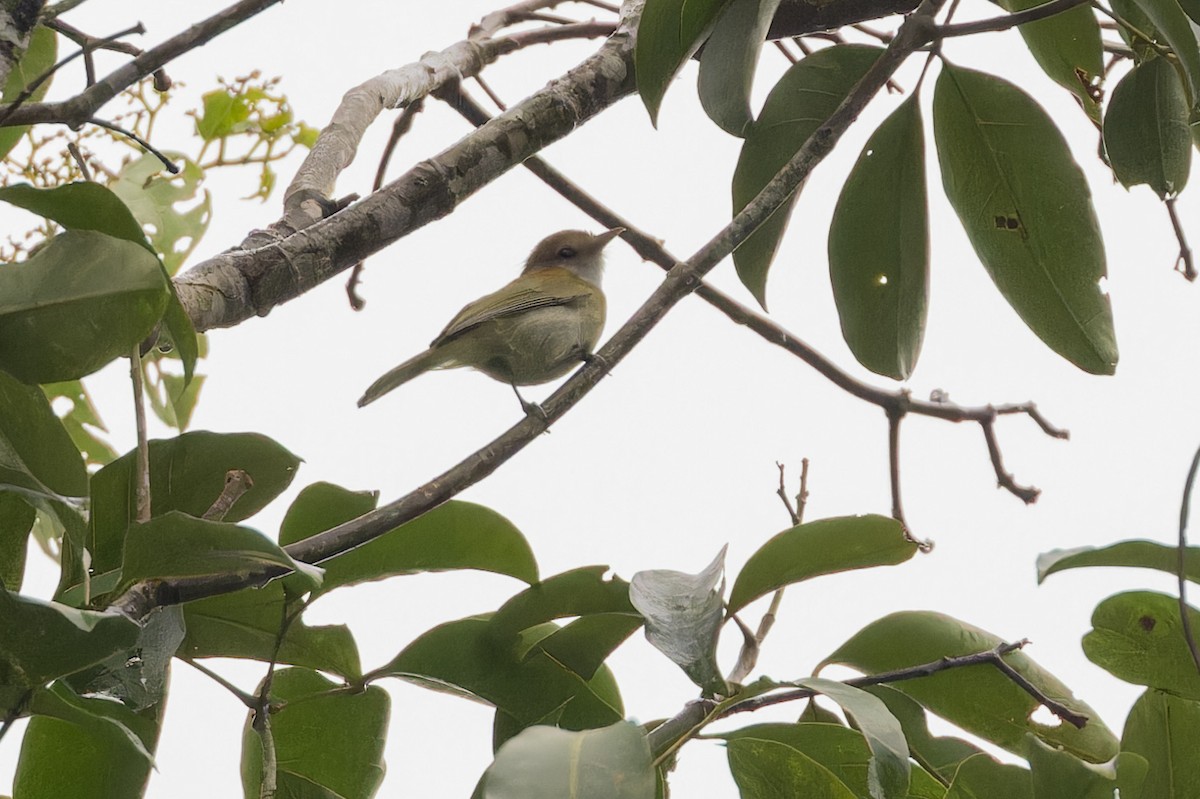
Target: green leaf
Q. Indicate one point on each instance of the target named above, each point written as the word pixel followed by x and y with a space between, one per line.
pixel 177 545
pixel 174 209
pixel 1146 131
pixel 90 206
pixel 223 114
pixel 911 638
pixel 879 247
pixel 579 592
pixel 888 770
pixel 1173 25
pixel 246 624
pixel 807 94
pixel 839 749
pixel 582 645
pixel 36 453
pixel 187 474
pixel 1165 730
pixel 76 304
pixel 1067 47
pixel 16 520
pixel 545 763
pixel 456 535
pixel 139 677
pixel 90 755
pixel 1026 208
pixel 981 777
pixel 728 62
pixel 1129 554
pixel 326 744
pixel 41 641
pixel 1137 636
pixel 38 57
pixel 1058 775
pixel 462 658
pixel 669 33
pixel 684 613
pixel 822 547
pixel 766 769
pixel 942 754
pixel 82 422
pixel 60 702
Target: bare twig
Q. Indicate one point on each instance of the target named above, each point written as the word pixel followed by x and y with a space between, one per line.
pixel 167 163
pixel 247 699
pixel 1184 263
pixel 1008 21
pixel 895 415
pixel 1181 565
pixel 78 109
pixel 237 483
pixel 783 494
pixel 1027 494
pixel 142 459
pixel 781 47
pixel 80 161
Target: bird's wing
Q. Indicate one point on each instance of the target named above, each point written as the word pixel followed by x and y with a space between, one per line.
pixel 542 289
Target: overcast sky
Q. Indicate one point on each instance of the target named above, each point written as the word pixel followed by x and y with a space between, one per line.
pixel 673 456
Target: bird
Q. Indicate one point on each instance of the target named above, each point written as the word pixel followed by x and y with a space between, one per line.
pixel 531 331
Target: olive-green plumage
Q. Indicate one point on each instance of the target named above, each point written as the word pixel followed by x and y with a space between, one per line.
pixel 535 329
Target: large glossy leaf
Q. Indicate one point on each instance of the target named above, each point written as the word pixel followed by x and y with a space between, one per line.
pixel 461 658
pixel 982 776
pixel 456 535
pixel 683 615
pixel 41 641
pixel 1165 730
pixel 326 744
pixel 888 770
pixel 1027 210
pixel 668 35
pixel 1138 637
pixel 879 247
pixel 941 754
pixel 1067 47
pixel 246 624
pixel 16 520
pixel 579 592
pixel 87 748
pixel 768 769
pixel 1146 131
pixel 36 453
pixel 1058 775
pixel 728 62
pixel 979 699
pixel 545 763
pixel 1135 554
pixel 187 474
pixel 807 95
pixel 822 547
pixel 840 749
pixel 78 303
pixel 39 56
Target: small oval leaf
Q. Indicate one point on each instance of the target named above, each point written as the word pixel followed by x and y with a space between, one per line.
pixel 1146 131
pixel 826 546
pixel 879 247
pixel 1025 205
pixel 545 763
pixel 807 94
pixel 1137 636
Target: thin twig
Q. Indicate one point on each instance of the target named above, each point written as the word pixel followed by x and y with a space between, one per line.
pixel 1184 263
pixel 781 47
pixel 784 498
pixel 895 415
pixel 1027 494
pixel 237 483
pixel 80 162
pixel 1008 21
pixel 142 459
pixel 495 98
pixel 1181 566
pixel 247 699
pixel 167 163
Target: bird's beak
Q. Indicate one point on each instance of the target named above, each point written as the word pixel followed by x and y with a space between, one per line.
pixel 604 238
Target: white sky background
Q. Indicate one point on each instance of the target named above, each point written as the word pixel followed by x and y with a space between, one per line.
pixel 674 455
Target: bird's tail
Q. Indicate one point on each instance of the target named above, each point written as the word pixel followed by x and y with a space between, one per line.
pixel 429 359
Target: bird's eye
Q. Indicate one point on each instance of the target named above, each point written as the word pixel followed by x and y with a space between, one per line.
pixel 566 252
